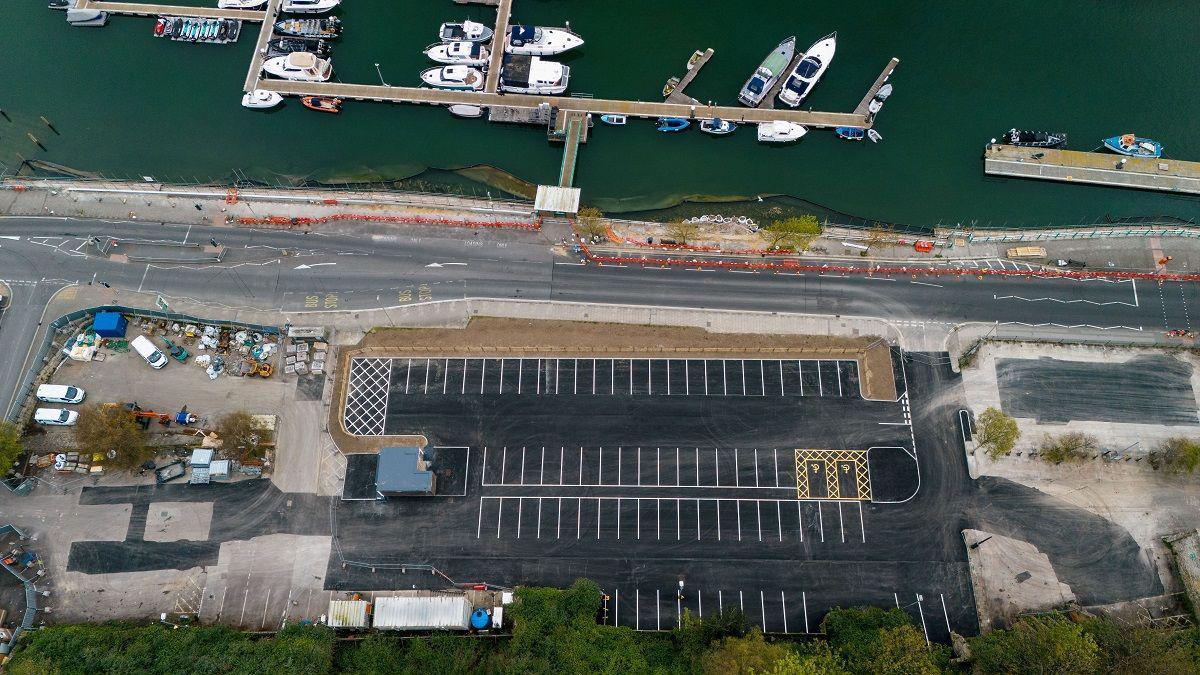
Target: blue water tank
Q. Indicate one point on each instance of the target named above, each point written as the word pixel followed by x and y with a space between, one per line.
pixel 109 324
pixel 480 619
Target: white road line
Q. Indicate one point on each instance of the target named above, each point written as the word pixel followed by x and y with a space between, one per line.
pixel 542 467
pixel 687 378
pixel 631 377
pixel 704 362
pixel 718 501
pixel 841 521
pixel 600 470
pixel 861 524
pixel 800 518
pixel 407 376
pixel 427 362
pixel 593 377
pixel 639 518
pixel 618 518
pixel 820 384
pixel 539 519
pixel 716 466
pixel 724 377
pixel 677 481
pixel 520 373
pixel 581 465
pixel 658 519
pixel 741 601
pixel 804 599
pixel 482 374
pixel 781 390
pixel 762 604
pixel 522 465
pixel 738 504
pixel 464 381
pixel 657 610
pixel 562 460
pixel 779 519
pixel 598 519
pixel 678 521
pixel 775 452
pixel 922 613
pixel 896 597
pixel 783 599
pixel 922 283
pixel 520 507
pixel 821 521
pixel 758 510
pixel 743 362
pixel 479 526
pixel 558 527
pixel 697 520
pixel 620 479
pixel 503 465
pixel 501 376
pixel 700 603
pixel 483 469
pixel 737 478
pixel 720 601
pixel 578 515
pixel 945 613
pixel 539 377
pixel 557 365
pixel 637 609
pixel 612 376
pixel 446 373
pixel 756 484
pixel 838 365
pixel 499 511
pixel 576 380
pixel 800 374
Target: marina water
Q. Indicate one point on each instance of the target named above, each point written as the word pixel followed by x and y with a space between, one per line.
pixel 126 104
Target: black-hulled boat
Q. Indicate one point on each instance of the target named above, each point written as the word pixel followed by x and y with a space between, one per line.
pixel 327 28
pixel 283 46
pixel 1034 139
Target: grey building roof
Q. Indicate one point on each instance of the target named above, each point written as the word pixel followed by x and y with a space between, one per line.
pixel 398 472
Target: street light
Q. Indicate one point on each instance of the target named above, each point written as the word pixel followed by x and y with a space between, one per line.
pixel 380 74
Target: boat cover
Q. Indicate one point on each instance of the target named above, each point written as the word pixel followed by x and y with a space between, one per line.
pixel 523 33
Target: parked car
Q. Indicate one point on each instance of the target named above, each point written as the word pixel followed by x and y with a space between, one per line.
pixel 58 417
pixel 1070 263
pixel 60 393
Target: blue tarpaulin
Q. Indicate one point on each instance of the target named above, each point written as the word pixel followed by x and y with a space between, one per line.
pixel 109 324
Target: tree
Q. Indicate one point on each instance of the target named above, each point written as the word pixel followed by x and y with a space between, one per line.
pixel 874 640
pixel 1073 446
pixel 816 659
pixel 590 221
pixel 797 232
pixel 898 651
pixel 749 654
pixel 1140 650
pixel 998 433
pixel 682 231
pixel 1179 454
pixel 112 430
pixel 1045 644
pixel 11 447
pixel 882 236
pixel 241 436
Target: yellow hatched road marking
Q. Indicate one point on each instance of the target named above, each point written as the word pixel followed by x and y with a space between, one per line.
pixel 835 458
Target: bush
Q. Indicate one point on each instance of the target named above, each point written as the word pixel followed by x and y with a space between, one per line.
pixel 11 448
pixel 110 429
pixel 998 433
pixel 1046 644
pixel 1069 447
pixel 797 232
pixel 1178 455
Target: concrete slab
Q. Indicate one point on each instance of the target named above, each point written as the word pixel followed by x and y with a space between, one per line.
pixel 173 521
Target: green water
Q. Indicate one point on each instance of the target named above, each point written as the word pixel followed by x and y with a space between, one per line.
pixel 128 104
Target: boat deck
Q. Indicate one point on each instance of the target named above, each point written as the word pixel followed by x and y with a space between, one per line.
pixel 1094 168
pixel 499 36
pixel 254 73
pixel 599 106
pixel 678 96
pixel 768 101
pixel 879 81
pixel 146 9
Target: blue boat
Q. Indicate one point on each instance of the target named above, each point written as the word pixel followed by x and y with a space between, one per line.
pixel 671 124
pixel 851 133
pixel 614 120
pixel 1134 146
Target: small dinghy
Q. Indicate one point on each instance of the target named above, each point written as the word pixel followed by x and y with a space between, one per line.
pixel 462 53
pixel 322 103
pixel 717 127
pixel 328 28
pixel 779 131
pixel 469 31
pixel 160 26
pixel 260 99
pixel 875 136
pixel 672 124
pixel 850 133
pixel 58 4
pixel 1034 139
pixel 453 77
pixel 615 120
pixel 464 110
pixel 1132 145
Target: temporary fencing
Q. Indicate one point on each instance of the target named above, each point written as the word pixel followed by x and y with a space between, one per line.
pixel 407 220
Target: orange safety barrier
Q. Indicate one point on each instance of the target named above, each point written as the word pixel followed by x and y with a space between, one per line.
pixel 408 220
pixel 826 268
pixel 231 196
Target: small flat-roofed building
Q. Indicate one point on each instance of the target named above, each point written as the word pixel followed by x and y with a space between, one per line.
pixel 423 612
pixel 403 472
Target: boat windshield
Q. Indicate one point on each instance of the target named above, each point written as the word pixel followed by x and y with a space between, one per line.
pixel 797 85
pixel 808 67
pixel 755 85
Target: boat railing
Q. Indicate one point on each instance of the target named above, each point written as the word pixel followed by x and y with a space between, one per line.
pixel 582 95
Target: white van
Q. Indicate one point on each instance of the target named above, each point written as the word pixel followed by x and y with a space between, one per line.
pixel 58 417
pixel 142 345
pixel 60 393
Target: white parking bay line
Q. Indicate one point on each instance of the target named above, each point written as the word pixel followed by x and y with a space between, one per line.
pixel 861 524
pixel 945 613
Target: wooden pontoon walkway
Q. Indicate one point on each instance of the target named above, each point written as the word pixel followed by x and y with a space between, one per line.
pixel 499 40
pixel 1072 166
pixel 678 95
pixel 599 106
pixel 883 77
pixel 254 74
pixel 145 9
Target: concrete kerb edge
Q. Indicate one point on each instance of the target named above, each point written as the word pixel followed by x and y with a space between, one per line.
pixel 975 578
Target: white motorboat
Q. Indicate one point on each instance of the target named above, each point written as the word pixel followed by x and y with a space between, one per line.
pixel 240 4
pixel 303 66
pixel 86 17
pixel 779 131
pixel 808 72
pixel 467 30
pixel 453 77
pixel 464 110
pixel 261 99
pixel 718 127
pixel 522 74
pixel 309 6
pixel 539 41
pixel 459 53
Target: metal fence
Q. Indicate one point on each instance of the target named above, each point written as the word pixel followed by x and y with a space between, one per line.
pixel 1095 233
pixel 57 327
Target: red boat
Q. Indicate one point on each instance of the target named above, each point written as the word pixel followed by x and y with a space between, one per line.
pixel 160 26
pixel 323 104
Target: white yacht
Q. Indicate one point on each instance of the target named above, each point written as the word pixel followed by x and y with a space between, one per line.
pixel 261 99
pixel 309 6
pixel 522 74
pixel 459 53
pixel 779 131
pixel 810 69
pixel 453 77
pixel 467 30
pixel 240 4
pixel 539 41
pixel 300 66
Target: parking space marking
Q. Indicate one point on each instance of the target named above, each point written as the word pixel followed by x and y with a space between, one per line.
pixel 830 467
